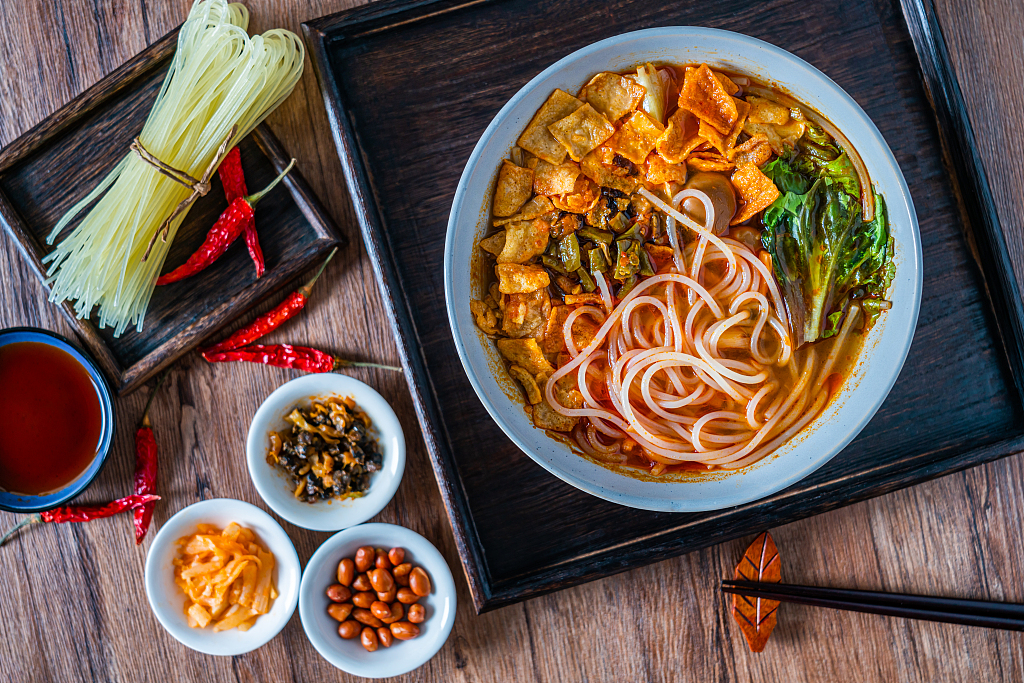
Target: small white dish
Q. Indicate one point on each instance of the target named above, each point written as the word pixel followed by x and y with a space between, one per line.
pixel 349 655
pixel 887 342
pixel 168 601
pixel 273 485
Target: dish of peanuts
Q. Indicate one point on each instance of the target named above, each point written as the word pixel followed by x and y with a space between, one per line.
pixel 376 598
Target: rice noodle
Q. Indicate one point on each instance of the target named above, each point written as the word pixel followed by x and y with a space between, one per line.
pixel 659 373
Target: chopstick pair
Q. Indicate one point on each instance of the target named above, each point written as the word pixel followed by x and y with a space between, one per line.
pixel 1001 615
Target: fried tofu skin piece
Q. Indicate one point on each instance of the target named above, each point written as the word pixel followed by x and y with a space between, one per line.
pixel 545 417
pixel 725 143
pixel 602 174
pixel 582 199
pixel 660 171
pixel 582 131
pixel 680 137
pixel 525 353
pixel 613 95
pixel 637 137
pixel 553 341
pixel 754 150
pixel 529 384
pixel 517 279
pixel 515 186
pixel 551 179
pixel 765 111
pixel 526 314
pixel 494 243
pixel 538 206
pixel 703 95
pixel 755 189
pixel 537 139
pixel 524 240
pixel 485 318
pixel 706 162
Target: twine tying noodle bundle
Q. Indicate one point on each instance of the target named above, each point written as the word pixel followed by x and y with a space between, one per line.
pixel 199 187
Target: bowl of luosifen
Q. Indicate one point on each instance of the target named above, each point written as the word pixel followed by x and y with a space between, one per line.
pixel 167 599
pixel 886 344
pixel 276 488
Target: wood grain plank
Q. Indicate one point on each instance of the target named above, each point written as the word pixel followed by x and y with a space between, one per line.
pixel 958 535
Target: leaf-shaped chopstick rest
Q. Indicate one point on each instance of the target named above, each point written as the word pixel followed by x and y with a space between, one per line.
pixel 756 616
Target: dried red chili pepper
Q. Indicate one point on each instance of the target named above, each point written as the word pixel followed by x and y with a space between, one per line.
pixel 225 231
pixel 267 323
pixel 145 467
pixel 233 179
pixel 288 356
pixel 82 513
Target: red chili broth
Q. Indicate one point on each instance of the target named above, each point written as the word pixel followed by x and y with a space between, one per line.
pixel 50 418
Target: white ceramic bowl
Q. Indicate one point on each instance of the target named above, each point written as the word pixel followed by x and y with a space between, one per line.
pixel 349 655
pixel 168 601
pixel 887 343
pixel 273 485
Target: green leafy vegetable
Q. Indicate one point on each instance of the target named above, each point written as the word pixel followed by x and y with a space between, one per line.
pixel 824 255
pixel 785 178
pixel 841 170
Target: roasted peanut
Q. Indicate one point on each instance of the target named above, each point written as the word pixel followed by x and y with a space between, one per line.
pixel 381 610
pixel 362 583
pixel 369 639
pixel 403 630
pixel 401 573
pixel 384 636
pixel 346 572
pixel 349 629
pixel 405 595
pixel 338 593
pixel 364 558
pixel 365 616
pixel 382 561
pixel 364 599
pixel 396 555
pixel 419 582
pixel 397 612
pixel 417 614
pixel 388 596
pixel 339 612
pixel 381 580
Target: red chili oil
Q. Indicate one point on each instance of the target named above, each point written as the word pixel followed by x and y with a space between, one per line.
pixel 50 418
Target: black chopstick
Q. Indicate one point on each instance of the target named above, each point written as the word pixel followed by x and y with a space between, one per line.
pixel 1001 615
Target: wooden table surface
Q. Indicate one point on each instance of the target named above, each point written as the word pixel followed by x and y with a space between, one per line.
pixel 72 602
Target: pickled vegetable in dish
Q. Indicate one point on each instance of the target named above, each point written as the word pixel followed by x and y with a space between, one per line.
pixel 227 576
pixel 329 452
pixel 682 267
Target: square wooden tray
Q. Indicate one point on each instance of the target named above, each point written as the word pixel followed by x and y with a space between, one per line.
pixel 49 168
pixel 409 88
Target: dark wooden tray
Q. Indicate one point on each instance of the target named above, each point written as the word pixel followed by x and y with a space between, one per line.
pixel 49 168
pixel 409 88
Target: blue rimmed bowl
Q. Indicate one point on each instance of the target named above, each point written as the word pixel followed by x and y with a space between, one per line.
pixel 16 502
